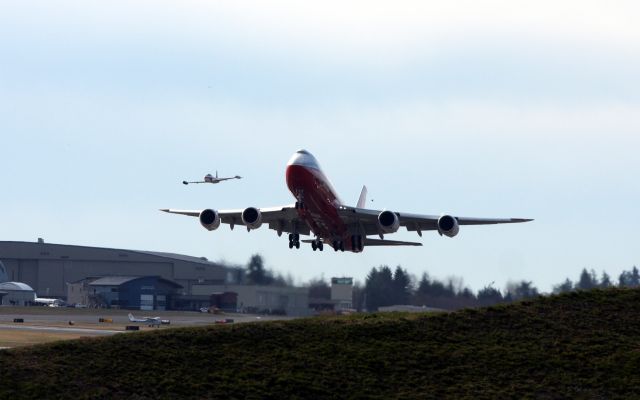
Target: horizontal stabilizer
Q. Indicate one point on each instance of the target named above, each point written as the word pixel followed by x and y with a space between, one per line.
pixel 378 242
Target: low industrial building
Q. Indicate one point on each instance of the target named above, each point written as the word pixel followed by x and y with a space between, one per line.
pixel 16 294
pixel 292 301
pixel 129 292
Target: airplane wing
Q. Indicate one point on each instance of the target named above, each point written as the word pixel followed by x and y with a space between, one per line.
pixel 281 219
pixel 226 179
pixel 368 220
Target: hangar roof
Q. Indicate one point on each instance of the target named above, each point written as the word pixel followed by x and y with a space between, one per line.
pixel 113 280
pixel 175 256
pixel 16 286
pixel 29 250
pixel 119 280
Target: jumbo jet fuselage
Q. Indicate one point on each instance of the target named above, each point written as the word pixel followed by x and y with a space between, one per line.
pixel 317 201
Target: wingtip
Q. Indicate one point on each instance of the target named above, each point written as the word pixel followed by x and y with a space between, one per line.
pixel 164 210
pixel 522 219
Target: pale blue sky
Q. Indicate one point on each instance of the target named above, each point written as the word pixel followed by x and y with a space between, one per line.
pixel 493 108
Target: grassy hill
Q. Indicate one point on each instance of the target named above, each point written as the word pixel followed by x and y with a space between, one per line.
pixel 577 345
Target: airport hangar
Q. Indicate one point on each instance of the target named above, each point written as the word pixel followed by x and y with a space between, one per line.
pixel 52 270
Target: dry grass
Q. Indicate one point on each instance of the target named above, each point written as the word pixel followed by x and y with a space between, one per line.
pixel 20 338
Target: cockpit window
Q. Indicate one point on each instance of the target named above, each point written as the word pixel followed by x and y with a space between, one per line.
pixel 302 151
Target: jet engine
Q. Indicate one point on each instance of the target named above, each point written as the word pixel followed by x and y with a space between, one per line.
pixel 252 218
pixel 209 219
pixel 448 226
pixel 388 222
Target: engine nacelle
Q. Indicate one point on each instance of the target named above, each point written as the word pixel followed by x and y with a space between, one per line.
pixel 209 219
pixel 252 218
pixel 388 222
pixel 448 226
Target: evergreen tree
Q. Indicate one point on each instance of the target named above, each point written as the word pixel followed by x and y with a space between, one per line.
pixel 319 289
pixel 605 280
pixel 629 278
pixel 522 290
pixel 623 279
pixel 256 273
pixel 439 290
pixel 358 296
pixel 379 288
pixel 564 287
pixel 635 277
pixel 488 296
pixel 465 298
pixel 587 280
pixel 401 286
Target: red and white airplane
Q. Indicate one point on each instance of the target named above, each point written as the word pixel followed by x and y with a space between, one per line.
pixel 319 211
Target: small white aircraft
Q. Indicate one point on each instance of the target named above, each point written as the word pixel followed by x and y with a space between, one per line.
pixel 151 321
pixel 212 179
pixel 48 302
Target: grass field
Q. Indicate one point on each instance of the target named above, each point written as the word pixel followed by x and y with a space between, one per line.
pixel 582 345
pixel 10 338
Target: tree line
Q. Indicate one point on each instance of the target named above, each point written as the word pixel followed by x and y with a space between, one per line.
pixel 386 287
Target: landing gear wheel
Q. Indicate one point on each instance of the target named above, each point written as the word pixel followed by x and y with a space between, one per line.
pixel 314 246
pixel 294 240
pixel 320 245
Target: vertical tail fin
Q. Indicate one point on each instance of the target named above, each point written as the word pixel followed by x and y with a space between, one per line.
pixel 362 201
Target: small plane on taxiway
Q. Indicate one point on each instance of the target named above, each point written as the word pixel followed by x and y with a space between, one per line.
pixel 151 321
pixel 208 178
pixel 318 210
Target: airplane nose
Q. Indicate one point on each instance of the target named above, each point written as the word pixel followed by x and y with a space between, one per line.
pixel 303 157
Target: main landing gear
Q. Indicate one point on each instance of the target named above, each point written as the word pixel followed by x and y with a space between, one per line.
pixel 338 245
pixel 357 244
pixel 294 240
pixel 317 245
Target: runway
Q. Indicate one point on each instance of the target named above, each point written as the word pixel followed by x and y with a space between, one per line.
pixel 45 324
